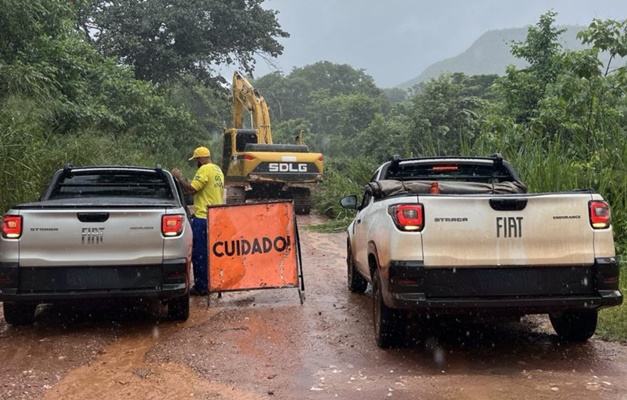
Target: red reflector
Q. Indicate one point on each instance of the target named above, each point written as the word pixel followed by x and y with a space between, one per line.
pixel 172 225
pixel 408 217
pixel 12 226
pixel 248 157
pixel 599 214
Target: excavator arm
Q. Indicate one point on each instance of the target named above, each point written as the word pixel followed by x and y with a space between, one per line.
pixel 246 97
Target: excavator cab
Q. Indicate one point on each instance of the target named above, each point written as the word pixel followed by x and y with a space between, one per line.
pixel 244 137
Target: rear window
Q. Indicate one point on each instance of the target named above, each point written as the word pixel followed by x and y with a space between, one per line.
pixel 113 184
pixel 461 172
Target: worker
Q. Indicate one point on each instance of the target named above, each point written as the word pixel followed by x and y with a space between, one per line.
pixel 207 187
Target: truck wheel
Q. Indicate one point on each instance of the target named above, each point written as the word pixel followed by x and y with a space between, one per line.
pixel 575 326
pixel 178 308
pixel 356 282
pixel 302 201
pixel 389 324
pixel 19 314
pixel 235 195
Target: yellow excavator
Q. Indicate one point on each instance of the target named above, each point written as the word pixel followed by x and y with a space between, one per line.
pixel 255 168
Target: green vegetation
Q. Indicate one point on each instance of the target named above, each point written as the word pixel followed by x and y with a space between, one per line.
pixel 83 82
pixel 613 321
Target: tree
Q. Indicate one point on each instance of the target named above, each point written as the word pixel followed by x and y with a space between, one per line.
pixel 586 103
pixel 61 100
pixel 395 95
pixel 523 89
pixel 609 36
pixel 565 98
pixel 24 26
pixel 164 40
pixel 540 47
pixel 338 119
pixel 384 137
pixel 445 117
pixel 336 78
pixel 294 95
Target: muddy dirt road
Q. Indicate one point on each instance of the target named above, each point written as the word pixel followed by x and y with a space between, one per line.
pixel 266 345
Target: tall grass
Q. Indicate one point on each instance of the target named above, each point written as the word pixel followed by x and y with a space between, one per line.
pixel 31 152
pixel 613 321
pixel 341 178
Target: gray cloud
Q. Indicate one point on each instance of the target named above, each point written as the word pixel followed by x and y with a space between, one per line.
pixel 394 40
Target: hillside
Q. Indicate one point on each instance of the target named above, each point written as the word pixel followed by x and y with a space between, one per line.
pixel 490 54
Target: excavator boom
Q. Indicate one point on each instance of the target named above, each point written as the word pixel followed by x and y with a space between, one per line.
pixel 246 97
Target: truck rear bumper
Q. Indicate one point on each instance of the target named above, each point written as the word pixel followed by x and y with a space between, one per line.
pixel 11 296
pixel 514 289
pixel 531 305
pixel 55 284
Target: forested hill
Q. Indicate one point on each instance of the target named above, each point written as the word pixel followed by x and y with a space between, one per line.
pixel 490 54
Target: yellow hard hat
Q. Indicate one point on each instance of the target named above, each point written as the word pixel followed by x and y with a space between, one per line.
pixel 200 152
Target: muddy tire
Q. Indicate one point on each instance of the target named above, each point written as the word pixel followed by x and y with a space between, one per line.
pixel 575 326
pixel 19 314
pixel 389 324
pixel 356 282
pixel 235 195
pixel 178 308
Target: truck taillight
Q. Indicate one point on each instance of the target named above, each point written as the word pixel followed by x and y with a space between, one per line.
pixel 599 214
pixel 248 157
pixel 408 217
pixel 12 226
pixel 172 225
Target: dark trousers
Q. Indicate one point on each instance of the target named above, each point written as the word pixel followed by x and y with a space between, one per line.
pixel 200 256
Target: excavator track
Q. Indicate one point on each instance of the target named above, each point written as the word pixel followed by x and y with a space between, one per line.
pixel 235 195
pixel 302 200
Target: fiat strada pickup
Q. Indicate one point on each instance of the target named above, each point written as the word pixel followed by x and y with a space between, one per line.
pixel 98 233
pixel 461 235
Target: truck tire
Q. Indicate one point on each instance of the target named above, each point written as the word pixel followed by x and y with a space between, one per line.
pixel 356 282
pixel 19 314
pixel 389 324
pixel 575 326
pixel 235 195
pixel 178 308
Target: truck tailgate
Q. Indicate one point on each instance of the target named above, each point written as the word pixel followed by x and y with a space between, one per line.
pixel 534 230
pixel 62 237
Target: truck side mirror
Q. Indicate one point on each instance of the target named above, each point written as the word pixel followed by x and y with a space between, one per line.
pixel 349 202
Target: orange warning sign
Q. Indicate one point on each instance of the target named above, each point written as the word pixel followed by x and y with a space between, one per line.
pixel 252 246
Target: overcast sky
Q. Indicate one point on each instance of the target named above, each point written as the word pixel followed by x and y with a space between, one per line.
pixel 394 40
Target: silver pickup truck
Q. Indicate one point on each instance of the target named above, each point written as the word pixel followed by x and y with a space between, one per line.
pixel 100 232
pixel 461 235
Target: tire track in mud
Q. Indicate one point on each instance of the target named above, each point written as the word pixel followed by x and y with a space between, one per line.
pixel 121 371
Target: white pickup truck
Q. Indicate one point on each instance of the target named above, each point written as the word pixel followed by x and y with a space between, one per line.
pixel 98 233
pixel 461 235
